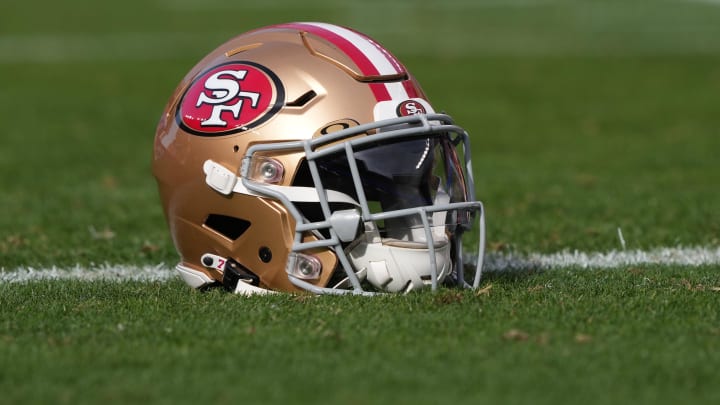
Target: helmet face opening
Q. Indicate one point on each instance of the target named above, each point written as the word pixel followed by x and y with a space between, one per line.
pixel 329 174
pixel 395 174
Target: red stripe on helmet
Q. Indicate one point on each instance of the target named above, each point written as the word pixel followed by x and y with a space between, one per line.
pixel 363 62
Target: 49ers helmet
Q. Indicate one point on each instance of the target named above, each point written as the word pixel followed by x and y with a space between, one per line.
pixel 304 156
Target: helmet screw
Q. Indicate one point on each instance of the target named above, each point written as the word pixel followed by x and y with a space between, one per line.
pixel 265 254
pixel 207 261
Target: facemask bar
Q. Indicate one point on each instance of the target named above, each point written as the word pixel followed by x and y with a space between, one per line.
pixel 411 127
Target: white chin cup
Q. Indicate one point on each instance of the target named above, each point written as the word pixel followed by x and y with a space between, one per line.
pixel 395 266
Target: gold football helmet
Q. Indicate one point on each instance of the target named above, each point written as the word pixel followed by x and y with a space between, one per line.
pixel 304 156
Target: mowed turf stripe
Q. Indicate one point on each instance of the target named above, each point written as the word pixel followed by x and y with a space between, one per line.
pixel 494 262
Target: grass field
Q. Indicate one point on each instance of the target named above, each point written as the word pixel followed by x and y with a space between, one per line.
pixel 586 117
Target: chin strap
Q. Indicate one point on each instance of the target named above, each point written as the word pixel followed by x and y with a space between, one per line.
pixel 224 181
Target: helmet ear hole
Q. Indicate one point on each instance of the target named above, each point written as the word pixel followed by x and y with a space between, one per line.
pixel 265 254
pixel 236 148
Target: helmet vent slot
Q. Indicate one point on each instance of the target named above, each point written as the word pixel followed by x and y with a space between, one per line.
pixel 227 226
pixel 302 100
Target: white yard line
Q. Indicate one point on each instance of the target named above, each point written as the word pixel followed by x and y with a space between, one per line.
pixel 109 272
pixel 678 256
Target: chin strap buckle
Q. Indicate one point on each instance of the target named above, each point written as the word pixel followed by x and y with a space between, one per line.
pixel 236 278
pixel 219 178
pixel 234 273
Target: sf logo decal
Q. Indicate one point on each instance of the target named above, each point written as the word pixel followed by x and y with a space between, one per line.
pixel 230 98
pixel 223 91
pixel 410 107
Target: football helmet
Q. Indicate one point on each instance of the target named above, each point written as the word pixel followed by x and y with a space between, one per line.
pixel 305 157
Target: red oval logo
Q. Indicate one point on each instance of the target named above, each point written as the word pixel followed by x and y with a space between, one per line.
pixel 410 107
pixel 229 98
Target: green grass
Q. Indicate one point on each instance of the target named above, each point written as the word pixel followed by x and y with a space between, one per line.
pixel 650 335
pixel 585 116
